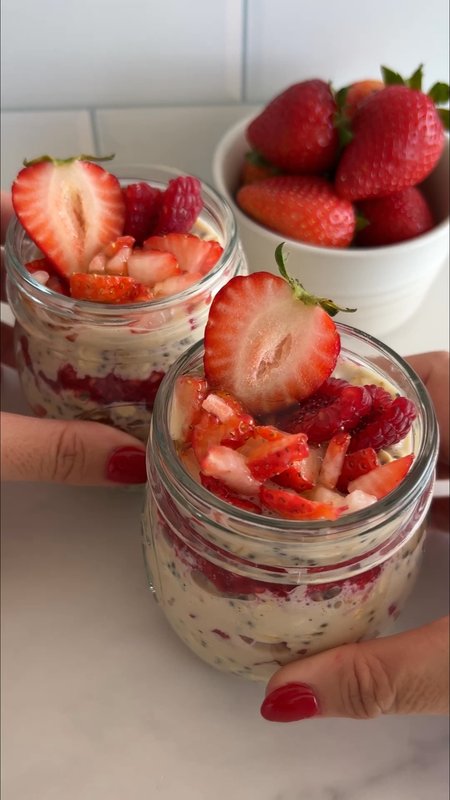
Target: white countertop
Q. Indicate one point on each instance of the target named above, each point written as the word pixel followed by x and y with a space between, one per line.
pixel 102 702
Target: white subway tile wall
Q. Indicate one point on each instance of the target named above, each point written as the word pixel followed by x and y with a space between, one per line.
pixel 96 72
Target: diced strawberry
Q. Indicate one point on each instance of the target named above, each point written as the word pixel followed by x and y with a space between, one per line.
pixel 301 475
pixel 321 494
pixel 265 345
pixel 207 432
pixel 229 466
pixel 356 464
pixel 188 395
pixel 141 204
pixel 220 489
pixel 71 209
pixel 382 480
pixel 357 500
pixel 238 426
pixel 97 264
pixel 44 272
pixel 104 288
pixel 290 505
pixel 272 457
pixel 268 432
pixel 151 266
pixel 176 284
pixel 193 254
pixel 179 205
pixel 117 255
pixel 333 460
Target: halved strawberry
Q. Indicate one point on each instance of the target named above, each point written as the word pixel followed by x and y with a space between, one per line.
pixel 301 475
pixel 268 343
pixel 229 466
pixel 290 505
pixel 382 480
pixel 333 459
pixel 151 266
pixel 70 209
pixel 114 289
pixel 188 395
pixel 356 464
pixel 268 458
pixel 192 253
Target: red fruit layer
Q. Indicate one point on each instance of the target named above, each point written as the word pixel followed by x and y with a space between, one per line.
pixel 141 208
pixel 229 583
pixel 386 428
pixel 109 389
pixel 179 206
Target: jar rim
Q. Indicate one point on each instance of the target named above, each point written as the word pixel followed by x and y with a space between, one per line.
pixel 293 532
pixel 68 305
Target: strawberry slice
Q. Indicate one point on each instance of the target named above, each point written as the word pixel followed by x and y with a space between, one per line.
pixel 151 266
pixel 268 342
pixel 290 505
pixel 229 466
pixel 117 254
pixel 44 272
pixel 71 209
pixel 192 253
pixel 356 464
pixel 238 426
pixel 382 480
pixel 301 475
pixel 272 457
pixel 221 490
pixel 113 289
pixel 333 460
pixel 188 395
pixel 208 431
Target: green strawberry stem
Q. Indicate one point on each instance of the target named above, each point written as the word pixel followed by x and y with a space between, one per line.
pixel 61 161
pixel 300 292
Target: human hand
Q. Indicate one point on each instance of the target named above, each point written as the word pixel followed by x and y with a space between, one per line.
pixel 75 452
pixel 407 673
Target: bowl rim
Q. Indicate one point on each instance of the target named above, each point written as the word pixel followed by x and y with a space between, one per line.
pixel 234 134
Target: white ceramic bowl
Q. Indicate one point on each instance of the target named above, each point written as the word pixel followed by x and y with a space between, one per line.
pixel 385 284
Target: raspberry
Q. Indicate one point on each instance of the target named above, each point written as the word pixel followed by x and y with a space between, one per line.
pixel 387 427
pixel 336 406
pixel 179 206
pixel 141 207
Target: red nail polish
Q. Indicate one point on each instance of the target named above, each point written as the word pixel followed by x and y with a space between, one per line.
pixel 126 465
pixel 290 703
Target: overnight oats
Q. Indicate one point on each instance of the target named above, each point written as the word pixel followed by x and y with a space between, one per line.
pixel 110 280
pixel 291 470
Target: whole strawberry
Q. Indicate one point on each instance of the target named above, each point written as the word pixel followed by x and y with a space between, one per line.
pixel 398 138
pixel 396 218
pixel 295 131
pixel 302 207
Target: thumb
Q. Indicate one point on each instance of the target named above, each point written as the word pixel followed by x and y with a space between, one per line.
pixel 403 674
pixel 75 452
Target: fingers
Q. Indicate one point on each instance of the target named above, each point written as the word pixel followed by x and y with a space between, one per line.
pixel 7 345
pixel 6 213
pixel 74 452
pixel 403 674
pixel 433 369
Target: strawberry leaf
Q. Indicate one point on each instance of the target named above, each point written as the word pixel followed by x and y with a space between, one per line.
pixel 444 115
pixel 60 161
pixel 415 81
pixel 440 93
pixel 300 292
pixel 390 78
pixel 361 222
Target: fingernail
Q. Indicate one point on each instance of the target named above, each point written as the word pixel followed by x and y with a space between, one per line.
pixel 290 703
pixel 126 465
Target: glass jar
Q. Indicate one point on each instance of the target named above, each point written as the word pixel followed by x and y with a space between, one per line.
pixel 79 359
pixel 248 593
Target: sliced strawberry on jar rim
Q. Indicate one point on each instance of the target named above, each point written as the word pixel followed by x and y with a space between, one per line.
pixel 70 208
pixel 290 505
pixel 268 342
pixel 382 480
pixel 221 490
pixel 176 284
pixel 193 254
pixel 188 395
